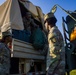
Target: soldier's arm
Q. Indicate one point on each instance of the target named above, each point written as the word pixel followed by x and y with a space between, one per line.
pixel 53 37
pixel 33 23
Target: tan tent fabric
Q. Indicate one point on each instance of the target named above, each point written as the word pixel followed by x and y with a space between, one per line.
pixel 30 7
pixel 10 16
pixel 16 18
pixel 4 11
pixel 40 15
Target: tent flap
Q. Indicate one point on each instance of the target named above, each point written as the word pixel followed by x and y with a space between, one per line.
pixel 30 7
pixel 10 16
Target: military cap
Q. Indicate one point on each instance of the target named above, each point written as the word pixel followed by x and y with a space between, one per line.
pixel 6 33
pixel 48 15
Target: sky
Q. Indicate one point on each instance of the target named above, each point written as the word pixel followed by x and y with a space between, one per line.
pixel 46 6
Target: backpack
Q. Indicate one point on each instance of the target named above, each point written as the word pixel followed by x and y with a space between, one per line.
pixel 38 39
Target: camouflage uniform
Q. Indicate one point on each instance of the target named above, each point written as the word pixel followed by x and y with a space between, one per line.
pixel 28 24
pixel 4 59
pixel 56 53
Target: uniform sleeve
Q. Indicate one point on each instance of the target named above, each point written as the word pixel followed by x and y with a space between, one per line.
pixel 53 37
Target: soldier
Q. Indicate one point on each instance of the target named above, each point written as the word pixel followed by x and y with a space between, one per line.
pixel 55 61
pixel 5 53
pixel 29 23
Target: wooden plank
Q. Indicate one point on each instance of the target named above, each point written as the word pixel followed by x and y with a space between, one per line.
pixel 22 44
pixel 26 55
pixel 25 50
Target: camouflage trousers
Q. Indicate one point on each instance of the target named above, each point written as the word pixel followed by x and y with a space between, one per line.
pixel 57 68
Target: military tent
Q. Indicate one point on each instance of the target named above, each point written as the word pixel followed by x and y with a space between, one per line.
pixel 11 12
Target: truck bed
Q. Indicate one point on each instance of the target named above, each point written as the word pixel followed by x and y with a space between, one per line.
pixel 23 49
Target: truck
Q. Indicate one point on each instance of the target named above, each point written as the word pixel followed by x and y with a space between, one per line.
pixel 69 26
pixel 69 34
pixel 24 57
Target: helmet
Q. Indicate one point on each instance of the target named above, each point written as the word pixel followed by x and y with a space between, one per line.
pixel 48 15
pixel 6 33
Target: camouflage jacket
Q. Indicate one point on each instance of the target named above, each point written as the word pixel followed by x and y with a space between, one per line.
pixel 4 58
pixel 28 24
pixel 56 46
